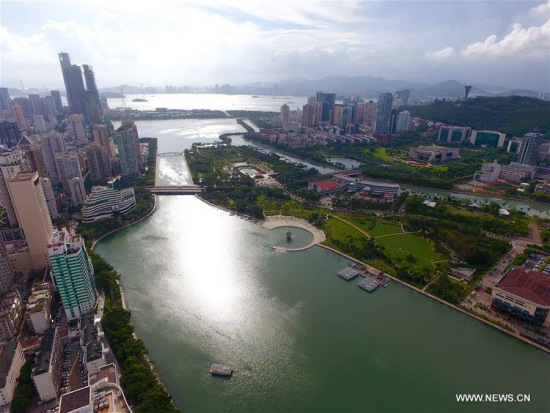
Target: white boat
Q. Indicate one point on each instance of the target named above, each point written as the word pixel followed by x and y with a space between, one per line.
pixel 220 370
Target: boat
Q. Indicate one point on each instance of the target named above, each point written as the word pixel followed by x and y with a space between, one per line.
pixel 139 100
pixel 220 370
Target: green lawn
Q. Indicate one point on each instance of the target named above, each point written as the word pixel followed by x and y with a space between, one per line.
pixel 380 153
pixel 411 243
pixel 366 224
pixel 338 230
pixel 399 255
pixel 385 229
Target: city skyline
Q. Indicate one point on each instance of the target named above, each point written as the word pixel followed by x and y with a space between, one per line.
pixel 188 43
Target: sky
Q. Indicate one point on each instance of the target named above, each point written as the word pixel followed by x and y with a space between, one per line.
pixel 201 43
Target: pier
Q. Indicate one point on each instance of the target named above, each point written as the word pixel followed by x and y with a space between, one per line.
pixel 176 190
pixel 369 282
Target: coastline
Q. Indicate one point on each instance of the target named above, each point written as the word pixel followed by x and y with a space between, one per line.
pixel 439 300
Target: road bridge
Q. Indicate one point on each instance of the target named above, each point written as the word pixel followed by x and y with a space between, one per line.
pixel 170 154
pixel 176 190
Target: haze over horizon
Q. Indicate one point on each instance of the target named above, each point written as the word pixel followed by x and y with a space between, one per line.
pixel 239 42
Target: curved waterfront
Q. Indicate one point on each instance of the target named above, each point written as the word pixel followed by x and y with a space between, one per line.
pixel 205 287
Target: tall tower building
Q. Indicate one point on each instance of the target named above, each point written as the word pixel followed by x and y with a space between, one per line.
pixel 101 135
pixel 92 96
pixel 529 150
pixel 77 128
pixel 327 100
pixel 11 163
pixel 33 216
pixel 9 133
pixel 129 153
pixel 5 102
pixel 360 109
pixel 404 96
pixel 17 112
pixel 77 190
pixel 403 120
pixel 57 100
pixel 72 76
pixel 285 113
pixel 51 145
pixel 6 270
pixel 49 197
pixel 73 273
pixel 383 116
pixel 68 167
pixel 307 116
pixel 39 125
pixel 98 163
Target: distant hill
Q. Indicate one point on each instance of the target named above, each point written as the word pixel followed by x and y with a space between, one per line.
pixel 514 115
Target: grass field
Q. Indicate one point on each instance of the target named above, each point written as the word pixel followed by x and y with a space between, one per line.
pixel 382 228
pixel 366 224
pixel 411 243
pixel 339 230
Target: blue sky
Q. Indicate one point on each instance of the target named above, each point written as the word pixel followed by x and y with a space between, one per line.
pixel 161 42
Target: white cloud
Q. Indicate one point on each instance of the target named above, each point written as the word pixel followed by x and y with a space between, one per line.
pixel 542 10
pixel 533 42
pixel 440 54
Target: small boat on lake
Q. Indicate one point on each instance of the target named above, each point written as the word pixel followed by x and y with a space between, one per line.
pixel 220 370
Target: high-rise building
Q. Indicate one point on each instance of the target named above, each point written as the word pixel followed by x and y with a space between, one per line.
pixel 77 129
pixel 101 135
pixel 307 116
pixel 403 121
pixel 33 216
pixel 6 270
pixel 52 144
pixel 327 100
pixel 92 96
pixel 5 101
pixel 49 196
pixel 68 167
pixel 98 163
pixel 360 110
pixel 129 153
pixel 345 116
pixel 10 134
pixel 39 125
pixel 285 113
pixel 57 99
pixel 17 112
pixel 529 150
pixel 11 163
pixel 72 76
pixel 404 96
pixel 383 116
pixel 77 190
pixel 73 273
pixel 38 107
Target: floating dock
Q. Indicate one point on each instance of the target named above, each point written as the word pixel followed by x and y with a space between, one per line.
pixel 348 273
pixel 220 370
pixel 368 283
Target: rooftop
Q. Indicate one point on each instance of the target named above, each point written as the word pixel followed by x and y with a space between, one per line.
pixel 326 184
pixel 531 285
pixel 24 176
pixel 75 400
pixel 7 351
pixel 105 372
pixel 43 358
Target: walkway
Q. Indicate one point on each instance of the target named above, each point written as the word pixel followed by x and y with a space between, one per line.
pixel 278 221
pixel 352 225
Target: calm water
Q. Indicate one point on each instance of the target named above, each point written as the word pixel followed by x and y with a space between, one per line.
pixel 211 290
pixel 211 101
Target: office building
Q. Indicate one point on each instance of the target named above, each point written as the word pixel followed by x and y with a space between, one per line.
pixel 515 172
pixel 98 163
pixel 454 134
pixel 10 133
pixel 433 154
pixel 129 153
pixel 32 214
pixel 11 361
pixel 327 101
pixel 403 95
pixel 105 202
pixel 92 96
pixel 72 76
pixel 5 101
pixel 383 115
pixel 73 273
pixel 529 150
pixel 524 294
pixel 11 163
pixel 6 270
pixel 403 120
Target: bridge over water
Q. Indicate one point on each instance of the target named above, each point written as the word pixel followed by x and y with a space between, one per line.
pixel 170 154
pixel 176 190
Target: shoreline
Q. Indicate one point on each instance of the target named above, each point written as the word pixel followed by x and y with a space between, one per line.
pixel 439 300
